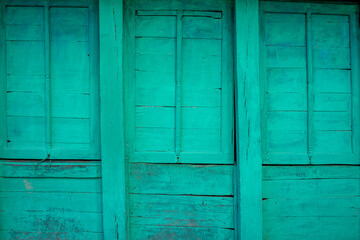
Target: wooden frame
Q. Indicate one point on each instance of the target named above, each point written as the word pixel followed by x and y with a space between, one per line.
pixel 247 114
pixel 91 153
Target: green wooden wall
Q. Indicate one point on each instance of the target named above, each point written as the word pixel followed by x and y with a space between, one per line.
pixel 248 130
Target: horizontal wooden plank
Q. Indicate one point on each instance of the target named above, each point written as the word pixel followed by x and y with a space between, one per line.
pixel 201 27
pixel 332 121
pixel 155 96
pixel 57 169
pixel 71 83
pixel 25 83
pixel 155 26
pixel 312 207
pixel 327 57
pixel 286 121
pixel 68 33
pixel 79 185
pixel 286 80
pixel 332 102
pixel 333 142
pixel 287 141
pixel 155 46
pixel 181 179
pixel 310 172
pixel 51 222
pixel 315 188
pixel 10 235
pixel 287 101
pixel 24 15
pixel 154 80
pixel 25 58
pixel 25 33
pixel 25 104
pixel 77 57
pixel 154 139
pixel 155 62
pixel 312 227
pixel 207 140
pixel 70 130
pixel 287 32
pixel 50 202
pixel 69 16
pixel 282 56
pixel 25 129
pixel 155 117
pixel 330 33
pixel 332 80
pixel 159 232
pixel 182 211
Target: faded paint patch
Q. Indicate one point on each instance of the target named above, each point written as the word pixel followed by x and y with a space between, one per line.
pixel 28 185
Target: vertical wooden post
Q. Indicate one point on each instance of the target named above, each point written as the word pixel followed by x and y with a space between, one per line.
pixel 112 132
pixel 248 137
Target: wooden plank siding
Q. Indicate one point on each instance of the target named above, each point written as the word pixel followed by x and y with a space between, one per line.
pixel 179 119
pixel 62 203
pixel 309 77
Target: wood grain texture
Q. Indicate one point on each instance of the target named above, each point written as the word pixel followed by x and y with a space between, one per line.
pixel 48 44
pixel 307 202
pixel 313 71
pixel 112 136
pixel 248 139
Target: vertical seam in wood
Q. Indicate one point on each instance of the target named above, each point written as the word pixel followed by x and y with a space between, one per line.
pixel 310 88
pixel 354 63
pixel 47 78
pixel 3 100
pixel 178 82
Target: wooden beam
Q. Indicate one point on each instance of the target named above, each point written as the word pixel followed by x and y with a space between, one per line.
pixel 248 136
pixel 112 132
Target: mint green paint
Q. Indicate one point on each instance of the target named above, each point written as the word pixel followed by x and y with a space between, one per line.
pixel 310 87
pixel 179 119
pixel 170 123
pixel 50 90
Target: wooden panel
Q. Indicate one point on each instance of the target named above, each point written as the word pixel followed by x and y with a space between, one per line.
pixel 9 235
pixel 156 26
pixel 325 91
pixel 316 228
pixel 285 29
pixel 310 172
pixel 50 74
pixel 181 211
pixel 181 179
pixel 202 27
pixel 57 170
pixel 160 232
pixel 311 202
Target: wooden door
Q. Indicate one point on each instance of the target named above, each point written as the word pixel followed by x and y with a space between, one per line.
pixel 179 119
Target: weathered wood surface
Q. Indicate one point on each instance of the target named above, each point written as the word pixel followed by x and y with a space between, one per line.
pixel 309 79
pixel 50 169
pixel 112 120
pixel 64 203
pixel 311 202
pixel 248 135
pixel 179 119
pixel 50 90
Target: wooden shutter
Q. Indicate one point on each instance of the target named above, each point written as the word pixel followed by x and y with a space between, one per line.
pixel 180 99
pixel 50 88
pixel 310 100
